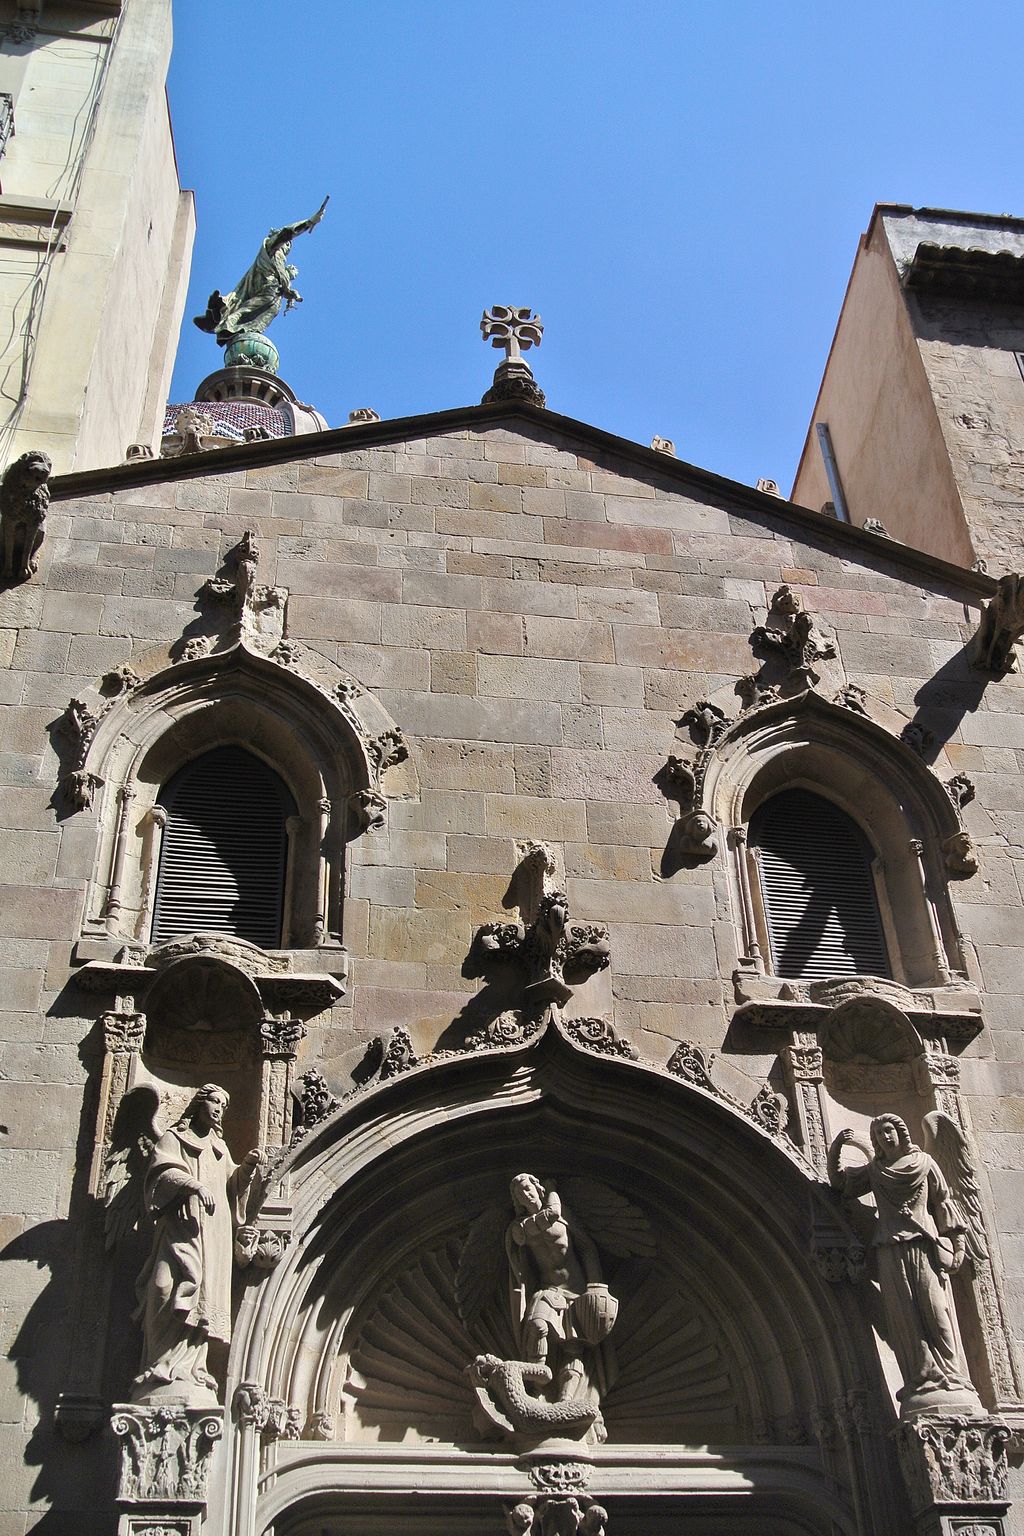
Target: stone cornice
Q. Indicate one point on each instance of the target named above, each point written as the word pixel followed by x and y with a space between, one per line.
pixel 689 478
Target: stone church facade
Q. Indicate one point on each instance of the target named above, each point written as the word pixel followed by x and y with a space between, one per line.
pixel 526 687
pixel 510 1005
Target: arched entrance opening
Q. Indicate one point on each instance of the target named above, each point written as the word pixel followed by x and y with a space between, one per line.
pixel 739 1373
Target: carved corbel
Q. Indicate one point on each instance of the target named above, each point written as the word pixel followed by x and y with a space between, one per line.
pixel 78 727
pixel 695 833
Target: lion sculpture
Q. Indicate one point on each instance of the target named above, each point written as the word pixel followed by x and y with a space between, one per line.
pixel 24 498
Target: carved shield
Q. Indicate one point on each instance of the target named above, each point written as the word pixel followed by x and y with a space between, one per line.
pixel 594 1314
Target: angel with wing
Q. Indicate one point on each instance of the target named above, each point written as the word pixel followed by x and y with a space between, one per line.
pixel 923 1232
pixel 560 1308
pixel 256 300
pixel 185 1185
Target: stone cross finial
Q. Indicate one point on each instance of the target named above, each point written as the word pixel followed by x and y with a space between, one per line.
pixel 516 330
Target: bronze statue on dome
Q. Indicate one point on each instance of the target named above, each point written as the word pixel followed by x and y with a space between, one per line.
pixel 246 312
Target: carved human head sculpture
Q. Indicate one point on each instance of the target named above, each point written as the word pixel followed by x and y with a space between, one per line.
pixel 890 1137
pixel 527 1192
pixel 205 1111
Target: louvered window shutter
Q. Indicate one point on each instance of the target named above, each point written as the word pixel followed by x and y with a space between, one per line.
pixel 818 889
pixel 224 850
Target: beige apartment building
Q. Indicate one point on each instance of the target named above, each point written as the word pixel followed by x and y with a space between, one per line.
pixel 95 232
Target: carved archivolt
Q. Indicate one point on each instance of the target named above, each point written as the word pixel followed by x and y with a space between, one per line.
pixel 726 1331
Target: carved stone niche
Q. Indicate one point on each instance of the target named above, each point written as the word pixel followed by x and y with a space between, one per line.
pixel 201 1008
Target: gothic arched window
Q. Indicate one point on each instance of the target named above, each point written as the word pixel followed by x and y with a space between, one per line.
pixel 224 852
pixel 818 889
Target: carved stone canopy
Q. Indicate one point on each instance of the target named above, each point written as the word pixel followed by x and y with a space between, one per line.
pixel 862 1018
pixel 194 983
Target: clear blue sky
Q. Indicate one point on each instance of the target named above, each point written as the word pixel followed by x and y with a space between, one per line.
pixel 677 186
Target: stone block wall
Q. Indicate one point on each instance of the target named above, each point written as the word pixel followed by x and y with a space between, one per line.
pixel 536 612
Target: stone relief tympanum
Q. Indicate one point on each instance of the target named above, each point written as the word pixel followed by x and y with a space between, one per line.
pixel 562 1311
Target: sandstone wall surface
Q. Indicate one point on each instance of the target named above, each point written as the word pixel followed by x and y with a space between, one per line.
pixel 536 616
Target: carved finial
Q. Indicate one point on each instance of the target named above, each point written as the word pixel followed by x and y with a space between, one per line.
pixel 515 330
pixel 544 946
pixel 664 445
pixel 769 487
pixel 362 415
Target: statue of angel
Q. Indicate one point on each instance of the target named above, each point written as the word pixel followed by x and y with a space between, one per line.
pixel 923 1233
pixel 185 1183
pixel 256 300
pixel 560 1309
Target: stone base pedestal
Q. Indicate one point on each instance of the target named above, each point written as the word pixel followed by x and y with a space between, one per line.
pixel 158 1525
pixel 514 381
pixel 955 1471
pixel 166 1453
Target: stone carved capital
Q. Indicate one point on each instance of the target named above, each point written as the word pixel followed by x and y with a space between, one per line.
pixel 165 1453
pixel 123 1032
pixel 953 1460
pixel 281 1037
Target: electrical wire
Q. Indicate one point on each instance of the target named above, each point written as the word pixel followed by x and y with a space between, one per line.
pixel 39 284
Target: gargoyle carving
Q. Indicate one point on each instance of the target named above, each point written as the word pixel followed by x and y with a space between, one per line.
pixel 1002 625
pixel 24 499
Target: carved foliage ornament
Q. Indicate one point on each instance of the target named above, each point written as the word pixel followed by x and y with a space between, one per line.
pixel 953 1460
pixel 790 634
pixel 693 1064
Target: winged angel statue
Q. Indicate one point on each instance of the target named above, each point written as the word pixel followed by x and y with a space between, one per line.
pixel 184 1189
pixel 257 298
pixel 560 1309
pixel 928 1223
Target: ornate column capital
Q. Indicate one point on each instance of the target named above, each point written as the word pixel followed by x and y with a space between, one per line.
pixel 955 1465
pixel 123 1033
pixel 165 1453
